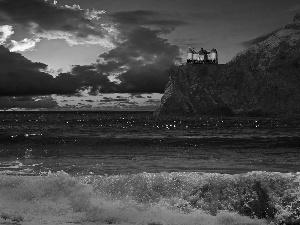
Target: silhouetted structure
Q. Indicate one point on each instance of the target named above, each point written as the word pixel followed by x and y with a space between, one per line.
pixel 203 56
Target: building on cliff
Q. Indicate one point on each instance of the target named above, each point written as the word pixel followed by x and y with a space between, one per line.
pixel 263 80
pixel 203 56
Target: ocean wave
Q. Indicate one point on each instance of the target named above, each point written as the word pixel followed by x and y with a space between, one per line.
pixel 151 198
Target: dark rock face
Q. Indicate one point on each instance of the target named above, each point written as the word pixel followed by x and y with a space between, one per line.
pixel 297 18
pixel 263 80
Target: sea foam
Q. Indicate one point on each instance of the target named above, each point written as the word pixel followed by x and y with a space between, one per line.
pixel 151 198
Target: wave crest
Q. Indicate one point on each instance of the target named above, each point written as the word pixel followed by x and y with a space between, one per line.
pixel 152 198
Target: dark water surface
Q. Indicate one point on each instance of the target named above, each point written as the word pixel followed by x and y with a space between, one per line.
pixel 134 142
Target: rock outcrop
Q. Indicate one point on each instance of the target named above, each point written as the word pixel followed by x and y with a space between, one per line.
pixel 262 80
pixel 297 18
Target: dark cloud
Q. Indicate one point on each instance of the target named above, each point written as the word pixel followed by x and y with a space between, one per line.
pixel 147 79
pixel 39 19
pixel 20 76
pixel 261 38
pixel 146 57
pixel 22 99
pixel 121 100
pixel 89 100
pixel 27 102
pixel 144 18
pixel 47 17
pixel 141 61
pixel 109 99
pixel 87 77
pixel 69 106
pixel 141 57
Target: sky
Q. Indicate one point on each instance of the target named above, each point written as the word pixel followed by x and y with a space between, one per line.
pixel 115 54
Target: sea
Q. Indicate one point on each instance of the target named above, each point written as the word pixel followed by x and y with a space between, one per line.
pixel 123 167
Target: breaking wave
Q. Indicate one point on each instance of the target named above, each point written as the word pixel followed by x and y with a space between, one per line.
pixel 151 198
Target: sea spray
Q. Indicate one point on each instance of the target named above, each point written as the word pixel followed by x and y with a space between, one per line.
pixel 151 198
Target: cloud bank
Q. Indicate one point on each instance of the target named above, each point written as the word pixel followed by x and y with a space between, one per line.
pixel 141 57
pixel 42 19
pixel 138 61
pixel 27 102
pixel 20 76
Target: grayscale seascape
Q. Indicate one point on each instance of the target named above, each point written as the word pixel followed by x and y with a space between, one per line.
pixel 149 112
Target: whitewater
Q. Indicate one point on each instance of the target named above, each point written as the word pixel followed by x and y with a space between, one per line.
pixel 150 198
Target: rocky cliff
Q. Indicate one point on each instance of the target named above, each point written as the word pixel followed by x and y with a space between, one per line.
pixel 263 80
